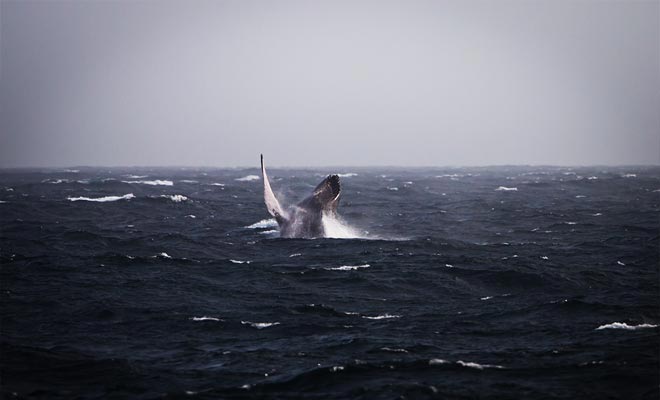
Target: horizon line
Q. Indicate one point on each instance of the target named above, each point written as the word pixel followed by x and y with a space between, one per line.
pixel 331 166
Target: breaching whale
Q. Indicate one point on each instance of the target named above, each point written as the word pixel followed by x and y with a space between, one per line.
pixel 305 219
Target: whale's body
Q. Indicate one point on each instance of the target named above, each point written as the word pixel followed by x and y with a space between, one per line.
pixel 305 219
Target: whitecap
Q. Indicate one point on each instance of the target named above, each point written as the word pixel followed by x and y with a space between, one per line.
pixel 248 178
pixel 347 175
pixel 190 216
pixel 188 181
pixel 394 189
pixel 129 176
pixel 205 318
pixel 487 298
pixel 544 258
pixel 73 171
pixel 240 262
pixel 570 223
pixel 507 189
pixel 163 255
pixel 449 266
pixel 177 198
pixel 437 361
pixel 217 184
pixel 629 176
pixel 597 214
pixel 295 255
pixel 383 316
pixel 394 350
pixel 477 366
pixel 264 223
pixel 260 325
pixel 2 202
pixel 623 325
pixel 55 181
pixel 156 182
pixel 580 196
pixel 268 232
pixel 592 178
pixel 103 199
pixel 347 267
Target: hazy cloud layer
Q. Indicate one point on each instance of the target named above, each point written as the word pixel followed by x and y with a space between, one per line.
pixel 313 83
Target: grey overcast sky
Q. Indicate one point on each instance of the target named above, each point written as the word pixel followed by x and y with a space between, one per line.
pixel 326 83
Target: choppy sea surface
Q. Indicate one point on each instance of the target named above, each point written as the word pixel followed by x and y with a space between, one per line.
pixel 506 282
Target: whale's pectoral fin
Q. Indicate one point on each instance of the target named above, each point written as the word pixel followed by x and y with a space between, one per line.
pixel 272 204
pixel 327 193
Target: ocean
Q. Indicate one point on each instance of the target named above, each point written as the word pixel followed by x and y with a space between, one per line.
pixel 499 282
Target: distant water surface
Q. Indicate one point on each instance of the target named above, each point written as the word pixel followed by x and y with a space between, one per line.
pixel 514 282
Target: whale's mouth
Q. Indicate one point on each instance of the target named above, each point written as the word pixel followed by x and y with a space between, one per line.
pixel 334 186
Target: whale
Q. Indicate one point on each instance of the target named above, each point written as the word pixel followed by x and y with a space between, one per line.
pixel 305 219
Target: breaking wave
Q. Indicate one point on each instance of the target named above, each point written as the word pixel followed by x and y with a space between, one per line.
pixel 156 182
pixel 248 178
pixel 623 325
pixel 103 199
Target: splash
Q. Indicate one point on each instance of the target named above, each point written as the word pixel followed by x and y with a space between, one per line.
pixel 335 228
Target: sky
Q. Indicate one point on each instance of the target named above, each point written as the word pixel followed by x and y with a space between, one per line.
pixel 329 83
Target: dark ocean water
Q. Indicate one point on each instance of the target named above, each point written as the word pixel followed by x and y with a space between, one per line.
pixel 449 288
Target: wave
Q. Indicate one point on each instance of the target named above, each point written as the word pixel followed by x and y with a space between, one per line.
pixel 188 181
pixel 347 175
pixel 56 181
pixel 348 267
pixel 177 198
pixel 624 326
pixel 248 178
pixel 217 184
pixel 103 199
pixel 156 182
pixel 264 223
pixel 507 189
pixel 383 316
pixel 260 325
pixel 240 261
pixel 205 318
pixel 468 364
pixel 477 366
